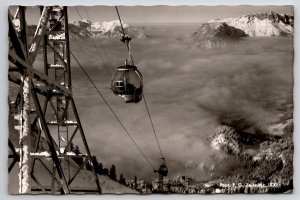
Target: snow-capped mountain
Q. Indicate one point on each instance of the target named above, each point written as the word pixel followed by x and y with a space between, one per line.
pixel 262 24
pixel 216 34
pixel 86 28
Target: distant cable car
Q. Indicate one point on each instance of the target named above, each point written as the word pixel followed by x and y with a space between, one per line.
pixel 127 82
pixel 163 170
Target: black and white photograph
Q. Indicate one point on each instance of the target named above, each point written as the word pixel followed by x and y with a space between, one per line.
pixel 150 99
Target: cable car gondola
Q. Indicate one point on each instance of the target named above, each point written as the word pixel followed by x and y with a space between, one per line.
pixel 162 170
pixel 127 82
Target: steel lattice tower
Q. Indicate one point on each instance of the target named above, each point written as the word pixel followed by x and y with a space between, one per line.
pixel 44 111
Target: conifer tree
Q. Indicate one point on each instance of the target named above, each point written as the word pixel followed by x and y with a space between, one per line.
pixel 122 180
pixel 135 182
pixel 112 173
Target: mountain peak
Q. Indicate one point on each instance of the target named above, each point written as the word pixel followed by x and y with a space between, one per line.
pixel 216 34
pixel 85 28
pixel 262 24
pixel 81 22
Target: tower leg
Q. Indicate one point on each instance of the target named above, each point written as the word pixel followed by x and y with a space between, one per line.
pixel 24 141
pixel 161 183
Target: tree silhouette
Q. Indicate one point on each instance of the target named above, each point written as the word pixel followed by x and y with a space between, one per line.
pixel 105 172
pixel 72 147
pixel 96 165
pixel 135 182
pixel 78 160
pixel 88 166
pixel 122 180
pixel 77 150
pixel 112 173
pixel 100 168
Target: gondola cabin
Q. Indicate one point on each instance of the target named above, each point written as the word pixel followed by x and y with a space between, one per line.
pixel 127 82
pixel 163 170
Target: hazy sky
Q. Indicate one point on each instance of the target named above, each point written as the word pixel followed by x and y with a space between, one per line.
pixel 164 14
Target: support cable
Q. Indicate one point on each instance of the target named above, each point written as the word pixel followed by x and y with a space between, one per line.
pixel 105 101
pixel 148 111
pixel 130 56
pixel 125 38
pixel 98 89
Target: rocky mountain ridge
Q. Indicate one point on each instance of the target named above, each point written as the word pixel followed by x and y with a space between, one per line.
pixel 262 24
pixel 85 28
pixel 216 34
pixel 219 32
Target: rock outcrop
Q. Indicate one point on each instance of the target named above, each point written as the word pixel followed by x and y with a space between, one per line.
pixel 216 34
